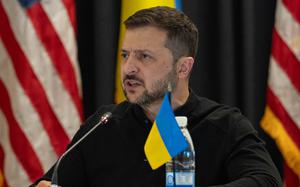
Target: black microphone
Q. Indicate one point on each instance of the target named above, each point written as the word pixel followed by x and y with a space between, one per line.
pixel 103 120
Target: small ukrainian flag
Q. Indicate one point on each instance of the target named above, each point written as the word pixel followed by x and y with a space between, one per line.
pixel 165 139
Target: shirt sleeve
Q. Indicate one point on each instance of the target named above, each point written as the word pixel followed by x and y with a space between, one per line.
pixel 249 164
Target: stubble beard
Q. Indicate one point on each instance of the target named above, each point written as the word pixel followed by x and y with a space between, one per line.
pixel 159 88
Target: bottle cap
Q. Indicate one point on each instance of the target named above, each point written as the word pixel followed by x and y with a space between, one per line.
pixel 181 120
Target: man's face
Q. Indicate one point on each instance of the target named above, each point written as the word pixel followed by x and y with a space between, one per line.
pixel 147 66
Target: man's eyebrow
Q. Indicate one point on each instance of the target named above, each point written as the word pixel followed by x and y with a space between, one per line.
pixel 143 51
pixel 137 51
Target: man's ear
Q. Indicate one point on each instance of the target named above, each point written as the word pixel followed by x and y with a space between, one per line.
pixel 184 66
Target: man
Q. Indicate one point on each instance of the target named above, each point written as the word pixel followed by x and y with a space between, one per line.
pixel 159 49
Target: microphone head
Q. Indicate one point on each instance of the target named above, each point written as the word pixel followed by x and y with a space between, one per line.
pixel 105 117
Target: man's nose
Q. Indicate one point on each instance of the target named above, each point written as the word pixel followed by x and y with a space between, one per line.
pixel 131 65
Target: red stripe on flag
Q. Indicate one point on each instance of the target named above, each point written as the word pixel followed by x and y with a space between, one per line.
pixel 284 117
pixel 290 178
pixel 70 7
pixel 294 8
pixel 19 142
pixel 286 59
pixel 57 52
pixel 32 86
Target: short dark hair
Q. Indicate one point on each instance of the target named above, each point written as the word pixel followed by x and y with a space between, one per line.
pixel 182 34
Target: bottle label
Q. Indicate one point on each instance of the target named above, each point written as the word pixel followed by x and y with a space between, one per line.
pixel 183 179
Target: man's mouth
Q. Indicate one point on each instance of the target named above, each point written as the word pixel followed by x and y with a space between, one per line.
pixel 131 83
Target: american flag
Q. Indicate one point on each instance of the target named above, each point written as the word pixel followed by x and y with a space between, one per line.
pixel 282 115
pixel 40 86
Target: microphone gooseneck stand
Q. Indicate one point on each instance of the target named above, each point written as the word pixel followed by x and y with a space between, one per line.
pixel 103 120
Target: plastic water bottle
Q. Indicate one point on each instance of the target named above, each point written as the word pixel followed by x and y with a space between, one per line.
pixel 180 171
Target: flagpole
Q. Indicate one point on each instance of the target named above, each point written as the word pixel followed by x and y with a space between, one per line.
pixel 173 160
pixel 174 177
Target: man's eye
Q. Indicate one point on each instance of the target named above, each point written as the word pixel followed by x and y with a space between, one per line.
pixel 124 56
pixel 144 57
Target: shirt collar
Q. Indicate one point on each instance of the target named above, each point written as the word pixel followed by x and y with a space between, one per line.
pixel 184 110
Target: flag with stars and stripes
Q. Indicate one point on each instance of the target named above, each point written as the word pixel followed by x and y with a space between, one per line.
pixel 282 114
pixel 40 86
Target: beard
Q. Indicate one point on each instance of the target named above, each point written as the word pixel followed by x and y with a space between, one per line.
pixel 158 89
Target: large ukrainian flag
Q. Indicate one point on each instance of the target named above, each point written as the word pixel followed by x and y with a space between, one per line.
pixel 165 139
pixel 128 8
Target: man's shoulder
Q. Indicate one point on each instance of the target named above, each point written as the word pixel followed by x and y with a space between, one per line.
pixel 220 116
pixel 116 110
pixel 212 110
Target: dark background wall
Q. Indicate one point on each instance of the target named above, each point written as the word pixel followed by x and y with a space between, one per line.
pixel 232 61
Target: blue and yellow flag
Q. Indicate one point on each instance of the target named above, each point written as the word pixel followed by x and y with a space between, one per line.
pixel 165 139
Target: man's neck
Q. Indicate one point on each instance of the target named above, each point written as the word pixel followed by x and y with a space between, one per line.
pixel 177 100
pixel 151 111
